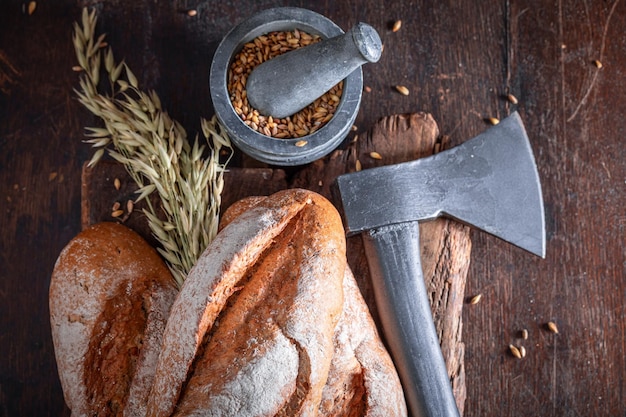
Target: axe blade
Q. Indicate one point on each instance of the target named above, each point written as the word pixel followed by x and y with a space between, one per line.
pixel 489 182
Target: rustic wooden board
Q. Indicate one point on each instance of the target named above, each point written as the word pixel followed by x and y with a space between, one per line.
pixel 445 244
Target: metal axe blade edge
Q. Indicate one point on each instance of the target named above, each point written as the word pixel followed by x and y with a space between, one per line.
pixel 489 182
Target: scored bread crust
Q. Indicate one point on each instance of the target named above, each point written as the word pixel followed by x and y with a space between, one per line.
pixel 270 322
pixel 260 255
pixel 110 295
pixel 251 365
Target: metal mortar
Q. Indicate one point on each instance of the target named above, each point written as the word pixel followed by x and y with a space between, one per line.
pixel 274 151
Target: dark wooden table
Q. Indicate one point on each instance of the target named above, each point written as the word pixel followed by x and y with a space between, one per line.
pixel 459 61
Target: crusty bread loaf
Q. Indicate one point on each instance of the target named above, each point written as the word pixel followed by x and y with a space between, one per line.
pixel 110 295
pixel 269 322
pixel 267 298
pixel 260 357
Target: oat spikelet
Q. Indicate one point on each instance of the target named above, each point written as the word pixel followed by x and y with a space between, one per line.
pixel 137 132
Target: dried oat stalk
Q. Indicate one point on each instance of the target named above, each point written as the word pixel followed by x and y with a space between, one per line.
pixel 155 151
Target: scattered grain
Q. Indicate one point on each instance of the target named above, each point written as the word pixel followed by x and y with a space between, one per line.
pixel 116 206
pixel 367 89
pixel 402 90
pixel 552 327
pixel 375 155
pixel 522 351
pixel 597 63
pixel 77 68
pixel 396 25
pixel 31 7
pixel 354 128
pixel 117 213
pixel 130 205
pixel 192 12
pixel 511 98
pixel 515 351
pixel 117 184
pixel 524 334
pixel 52 176
pixel 493 120
pixel 476 299
pixel 301 143
pixel 358 166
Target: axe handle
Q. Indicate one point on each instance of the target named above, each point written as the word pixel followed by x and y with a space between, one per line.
pixel 393 254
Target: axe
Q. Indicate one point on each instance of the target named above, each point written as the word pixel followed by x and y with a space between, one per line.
pixel 489 182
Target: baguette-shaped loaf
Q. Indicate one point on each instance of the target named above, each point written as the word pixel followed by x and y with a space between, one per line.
pixel 110 295
pixel 256 358
pixel 254 320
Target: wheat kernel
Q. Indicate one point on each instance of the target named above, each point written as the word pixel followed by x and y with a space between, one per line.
pixel 476 299
pixel 515 351
pixel 117 213
pixel 552 327
pixel 402 90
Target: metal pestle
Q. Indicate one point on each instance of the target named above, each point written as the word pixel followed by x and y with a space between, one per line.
pixel 288 83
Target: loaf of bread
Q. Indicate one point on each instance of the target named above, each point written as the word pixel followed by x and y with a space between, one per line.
pixel 110 296
pixel 269 322
pixel 280 347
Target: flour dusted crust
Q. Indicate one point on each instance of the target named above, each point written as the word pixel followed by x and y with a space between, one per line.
pixel 362 380
pixel 264 283
pixel 269 322
pixel 108 290
pixel 256 359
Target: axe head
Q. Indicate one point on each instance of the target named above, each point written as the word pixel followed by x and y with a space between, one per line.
pixel 489 182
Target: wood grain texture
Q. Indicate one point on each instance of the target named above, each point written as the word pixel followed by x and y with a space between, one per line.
pixel 458 60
